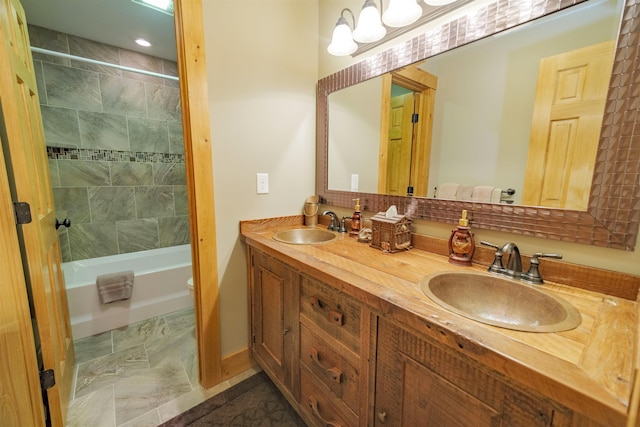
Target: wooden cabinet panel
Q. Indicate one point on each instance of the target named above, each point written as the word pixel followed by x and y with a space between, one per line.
pixel 428 396
pixel 332 311
pixel 274 321
pixel 333 370
pixel 418 382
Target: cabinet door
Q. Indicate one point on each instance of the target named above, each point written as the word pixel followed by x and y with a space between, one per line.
pixel 421 383
pixel 272 315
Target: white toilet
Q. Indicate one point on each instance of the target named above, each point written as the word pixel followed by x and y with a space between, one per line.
pixel 190 286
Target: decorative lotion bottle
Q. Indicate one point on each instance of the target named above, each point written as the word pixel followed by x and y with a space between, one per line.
pixel 461 243
pixel 356 218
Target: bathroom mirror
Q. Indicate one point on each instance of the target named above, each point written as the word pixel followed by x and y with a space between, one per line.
pixel 613 212
pixel 490 87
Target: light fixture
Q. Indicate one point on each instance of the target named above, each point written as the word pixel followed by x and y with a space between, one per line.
pixel 438 2
pixel 342 43
pixel 401 13
pixel 369 28
pixel 143 43
pixel 164 6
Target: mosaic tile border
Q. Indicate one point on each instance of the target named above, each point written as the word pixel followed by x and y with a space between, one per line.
pixel 613 215
pixel 63 153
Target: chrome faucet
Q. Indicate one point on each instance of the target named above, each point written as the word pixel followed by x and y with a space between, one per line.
pixel 334 224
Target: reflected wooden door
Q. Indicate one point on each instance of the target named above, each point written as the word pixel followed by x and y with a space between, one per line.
pixel 29 172
pixel 567 119
pixel 400 144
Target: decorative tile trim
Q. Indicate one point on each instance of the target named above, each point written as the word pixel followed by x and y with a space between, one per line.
pixel 63 153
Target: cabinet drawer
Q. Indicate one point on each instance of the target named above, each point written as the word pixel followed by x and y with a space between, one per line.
pixel 332 311
pixel 321 406
pixel 335 372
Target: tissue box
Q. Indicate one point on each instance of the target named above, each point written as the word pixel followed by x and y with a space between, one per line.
pixel 390 234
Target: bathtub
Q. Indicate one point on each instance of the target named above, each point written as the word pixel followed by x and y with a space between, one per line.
pixel 160 287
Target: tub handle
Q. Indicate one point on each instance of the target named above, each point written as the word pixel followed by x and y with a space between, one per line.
pixel 66 222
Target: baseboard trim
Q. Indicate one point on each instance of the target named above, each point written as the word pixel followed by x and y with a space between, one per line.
pixel 236 363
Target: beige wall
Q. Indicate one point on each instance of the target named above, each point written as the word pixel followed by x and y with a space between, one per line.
pixel 611 259
pixel 262 70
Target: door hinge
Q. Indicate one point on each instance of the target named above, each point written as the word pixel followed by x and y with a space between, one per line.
pixel 254 338
pixel 47 379
pixel 22 212
pixel 414 118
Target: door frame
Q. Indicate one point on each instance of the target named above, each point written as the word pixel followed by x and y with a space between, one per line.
pixel 424 85
pixel 192 69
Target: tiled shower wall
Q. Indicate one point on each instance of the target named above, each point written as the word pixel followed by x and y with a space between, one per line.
pixel 116 153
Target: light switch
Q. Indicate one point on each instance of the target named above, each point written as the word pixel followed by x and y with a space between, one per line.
pixel 354 181
pixel 262 183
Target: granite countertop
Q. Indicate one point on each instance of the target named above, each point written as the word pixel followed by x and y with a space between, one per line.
pixel 589 369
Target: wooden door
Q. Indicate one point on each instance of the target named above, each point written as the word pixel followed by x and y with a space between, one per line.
pixel 565 130
pixel 19 380
pixel 399 145
pixel 30 174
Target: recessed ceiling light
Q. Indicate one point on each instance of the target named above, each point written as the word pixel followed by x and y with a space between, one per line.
pixel 143 42
pixel 164 6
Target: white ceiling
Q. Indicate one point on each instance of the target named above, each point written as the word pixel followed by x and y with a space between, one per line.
pixel 113 22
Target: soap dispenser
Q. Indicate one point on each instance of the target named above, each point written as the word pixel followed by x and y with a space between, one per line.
pixel 461 243
pixel 356 218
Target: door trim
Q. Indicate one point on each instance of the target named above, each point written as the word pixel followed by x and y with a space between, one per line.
pixel 199 167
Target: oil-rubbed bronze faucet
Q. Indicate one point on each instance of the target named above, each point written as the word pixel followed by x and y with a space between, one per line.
pixel 334 224
pixel 514 263
pixel 533 275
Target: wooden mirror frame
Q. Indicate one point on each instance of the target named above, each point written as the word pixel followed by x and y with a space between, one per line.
pixel 613 215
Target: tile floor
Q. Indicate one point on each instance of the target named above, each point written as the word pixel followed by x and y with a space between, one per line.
pixel 140 375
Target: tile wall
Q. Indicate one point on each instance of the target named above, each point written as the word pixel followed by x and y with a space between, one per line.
pixel 116 153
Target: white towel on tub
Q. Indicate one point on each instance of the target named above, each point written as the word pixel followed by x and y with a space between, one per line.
pixel 115 286
pixel 482 193
pixel 447 191
pixel 464 192
pixel 496 195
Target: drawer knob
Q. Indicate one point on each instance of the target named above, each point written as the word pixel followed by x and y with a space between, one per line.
pixel 382 416
pixel 313 404
pixel 336 317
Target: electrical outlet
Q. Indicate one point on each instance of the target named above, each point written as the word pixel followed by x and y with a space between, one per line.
pixel 354 181
pixel 262 183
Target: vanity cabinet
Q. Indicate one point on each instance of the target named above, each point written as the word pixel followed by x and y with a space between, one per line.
pixel 274 321
pixel 347 359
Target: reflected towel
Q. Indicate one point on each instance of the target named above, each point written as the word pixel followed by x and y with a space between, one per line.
pixel 115 286
pixel 447 191
pixel 464 192
pixel 496 195
pixel 482 193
